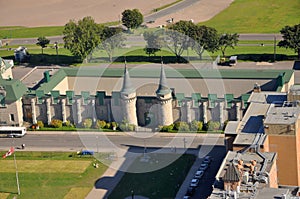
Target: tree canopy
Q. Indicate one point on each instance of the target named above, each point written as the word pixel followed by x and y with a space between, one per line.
pixel 154 42
pixel 291 38
pixel 82 37
pixel 132 18
pixel 43 42
pixel 206 38
pixel 228 40
pixel 179 37
pixel 111 39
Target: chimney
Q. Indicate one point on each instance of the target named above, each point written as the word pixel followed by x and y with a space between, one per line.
pixel 46 76
pixel 256 88
pixel 252 166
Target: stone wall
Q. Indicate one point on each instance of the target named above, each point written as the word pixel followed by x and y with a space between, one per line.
pixel 147 110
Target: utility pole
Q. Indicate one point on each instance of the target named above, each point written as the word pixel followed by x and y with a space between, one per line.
pixel 274 48
pixel 17 176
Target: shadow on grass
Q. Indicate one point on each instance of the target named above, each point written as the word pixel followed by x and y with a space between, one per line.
pixel 267 57
pixel 141 58
pixel 47 60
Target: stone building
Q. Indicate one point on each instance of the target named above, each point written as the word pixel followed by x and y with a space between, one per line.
pixel 148 97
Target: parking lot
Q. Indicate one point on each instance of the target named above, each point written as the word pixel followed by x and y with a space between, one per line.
pixel 204 187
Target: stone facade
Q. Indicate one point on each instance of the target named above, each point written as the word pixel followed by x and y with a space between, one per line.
pixel 146 110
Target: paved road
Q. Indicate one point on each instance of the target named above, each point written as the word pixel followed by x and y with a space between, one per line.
pixel 136 39
pixel 67 141
pixel 170 10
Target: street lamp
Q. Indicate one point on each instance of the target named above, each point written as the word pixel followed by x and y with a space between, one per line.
pixel 132 194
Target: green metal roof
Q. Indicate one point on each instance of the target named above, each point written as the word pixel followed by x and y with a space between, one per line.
pixel 177 73
pixel 100 95
pixel 229 99
pixel 70 96
pixel 179 98
pixel 55 96
pixel 15 89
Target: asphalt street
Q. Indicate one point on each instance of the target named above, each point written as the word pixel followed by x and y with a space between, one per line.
pixel 67 141
pixel 170 10
pixel 138 39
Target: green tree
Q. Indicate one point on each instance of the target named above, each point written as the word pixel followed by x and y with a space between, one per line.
pixel 111 39
pixel 206 38
pixel 43 42
pixel 291 38
pixel 154 42
pixel 179 37
pixel 132 18
pixel 227 40
pixel 82 37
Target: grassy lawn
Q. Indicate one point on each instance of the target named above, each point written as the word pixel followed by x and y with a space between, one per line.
pixel 49 175
pixel 163 183
pixel 254 52
pixel 259 53
pixel 34 32
pixel 256 16
pixel 26 32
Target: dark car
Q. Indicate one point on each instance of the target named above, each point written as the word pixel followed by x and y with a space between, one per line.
pixel 190 191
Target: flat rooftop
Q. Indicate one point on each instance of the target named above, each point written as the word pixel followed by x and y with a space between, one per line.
pixel 282 115
pixel 146 78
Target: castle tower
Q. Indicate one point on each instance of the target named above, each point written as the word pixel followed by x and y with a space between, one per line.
pixel 128 99
pixel 164 96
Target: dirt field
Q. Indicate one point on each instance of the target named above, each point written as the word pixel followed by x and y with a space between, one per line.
pixel 58 12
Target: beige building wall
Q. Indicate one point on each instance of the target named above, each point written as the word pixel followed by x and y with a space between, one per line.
pixel 7 74
pixel 63 86
pixel 285 146
pixel 12 114
pixel 273 175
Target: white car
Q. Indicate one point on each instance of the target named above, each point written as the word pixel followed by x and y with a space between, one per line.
pixel 199 174
pixel 194 182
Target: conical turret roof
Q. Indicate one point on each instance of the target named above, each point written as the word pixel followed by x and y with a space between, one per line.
pixel 162 87
pixel 127 86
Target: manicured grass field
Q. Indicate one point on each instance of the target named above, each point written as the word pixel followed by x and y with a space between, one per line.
pixel 48 175
pixel 25 32
pixel 163 183
pixel 256 16
pixel 252 52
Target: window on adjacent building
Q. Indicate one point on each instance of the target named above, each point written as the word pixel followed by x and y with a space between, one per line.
pixel 12 117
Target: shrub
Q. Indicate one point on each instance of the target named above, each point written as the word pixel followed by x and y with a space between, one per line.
pixel 212 125
pixel 114 125
pixel 100 124
pixel 68 124
pixel 108 125
pixel 125 126
pixel 196 125
pixel 55 123
pixel 181 126
pixel 167 128
pixel 40 124
pixel 87 123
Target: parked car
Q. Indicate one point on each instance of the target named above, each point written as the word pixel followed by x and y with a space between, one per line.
pixel 199 174
pixel 207 160
pixel 203 167
pixel 194 182
pixel 190 191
